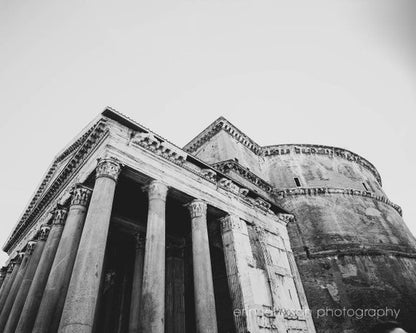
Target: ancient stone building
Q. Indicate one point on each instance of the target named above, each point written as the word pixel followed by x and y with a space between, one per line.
pixel 129 233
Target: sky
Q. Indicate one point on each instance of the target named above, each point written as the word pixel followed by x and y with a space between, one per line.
pixel 339 73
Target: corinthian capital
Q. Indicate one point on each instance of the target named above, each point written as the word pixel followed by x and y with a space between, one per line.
pixel 59 215
pixel 44 232
pixel 80 195
pixel 30 247
pixel 197 208
pixel 11 265
pixel 140 240
pixel 156 190
pixel 108 167
pixel 231 222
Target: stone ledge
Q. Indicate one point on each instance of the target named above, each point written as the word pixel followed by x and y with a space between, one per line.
pixel 309 149
pixel 358 251
pixel 281 194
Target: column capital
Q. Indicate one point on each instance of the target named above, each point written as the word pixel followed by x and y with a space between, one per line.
pixel 232 222
pixel 156 190
pixel 11 265
pixel 44 232
pixel 108 167
pixel 197 208
pixel 81 195
pixel 21 254
pixel 59 215
pixel 140 238
pixel 30 247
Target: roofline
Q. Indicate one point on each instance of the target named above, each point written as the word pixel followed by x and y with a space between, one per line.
pixel 222 124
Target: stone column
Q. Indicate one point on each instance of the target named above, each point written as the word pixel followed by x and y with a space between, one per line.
pixel 81 299
pixel 152 314
pixel 34 296
pixel 21 295
pixel 12 270
pixel 136 292
pixel 50 309
pixel 237 249
pixel 206 319
pixel 3 273
pixel 15 284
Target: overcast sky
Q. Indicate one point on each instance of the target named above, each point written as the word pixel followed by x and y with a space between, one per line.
pixel 338 73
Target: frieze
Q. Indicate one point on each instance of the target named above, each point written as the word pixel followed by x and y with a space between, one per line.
pixel 161 147
pixel 281 194
pixel 227 183
pixel 209 174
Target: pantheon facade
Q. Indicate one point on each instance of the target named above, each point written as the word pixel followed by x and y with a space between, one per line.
pixel 129 233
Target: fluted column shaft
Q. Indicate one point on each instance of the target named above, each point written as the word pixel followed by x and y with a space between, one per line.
pixel 82 296
pixel 8 281
pixel 3 274
pixel 206 319
pixel 152 314
pixel 136 292
pixel 27 281
pixel 53 299
pixel 34 296
pixel 17 281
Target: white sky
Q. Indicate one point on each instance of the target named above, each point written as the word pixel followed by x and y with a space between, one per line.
pixel 333 72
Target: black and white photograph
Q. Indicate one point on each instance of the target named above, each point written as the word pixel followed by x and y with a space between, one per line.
pixel 195 166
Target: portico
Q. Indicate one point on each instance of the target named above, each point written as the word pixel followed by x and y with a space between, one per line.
pixel 154 240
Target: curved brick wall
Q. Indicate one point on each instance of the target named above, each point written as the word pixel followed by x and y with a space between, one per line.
pixel 351 244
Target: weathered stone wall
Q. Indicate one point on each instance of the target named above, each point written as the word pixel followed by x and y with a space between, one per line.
pixel 367 282
pixel 353 251
pixel 319 171
pixel 346 223
pixel 351 245
pixel 222 147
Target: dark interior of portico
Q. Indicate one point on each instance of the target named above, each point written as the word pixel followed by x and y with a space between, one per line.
pixel 129 217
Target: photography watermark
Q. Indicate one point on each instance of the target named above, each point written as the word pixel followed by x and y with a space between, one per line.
pixel 344 312
pixel 358 313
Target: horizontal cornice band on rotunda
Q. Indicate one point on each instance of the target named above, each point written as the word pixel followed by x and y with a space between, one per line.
pixel 299 191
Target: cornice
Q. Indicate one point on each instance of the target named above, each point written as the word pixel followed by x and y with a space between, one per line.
pixel 281 149
pixel 310 149
pixel 164 150
pixel 290 192
pixel 48 189
pixel 231 165
pixel 221 124
pixel 339 250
